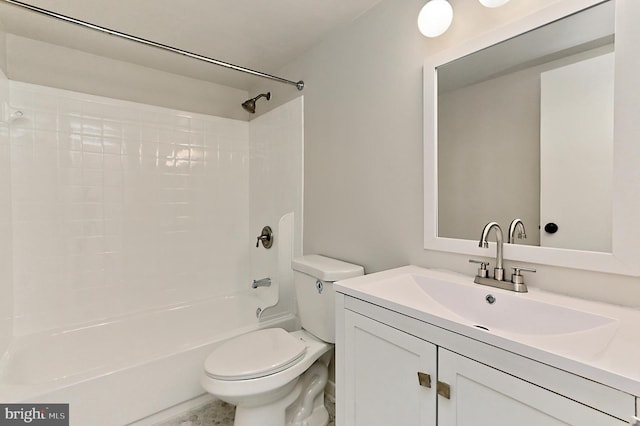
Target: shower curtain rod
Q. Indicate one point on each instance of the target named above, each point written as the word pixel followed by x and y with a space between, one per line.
pixel 298 84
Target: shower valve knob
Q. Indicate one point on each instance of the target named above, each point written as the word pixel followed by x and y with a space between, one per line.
pixel 266 237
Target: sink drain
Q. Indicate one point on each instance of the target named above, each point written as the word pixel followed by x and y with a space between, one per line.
pixel 482 327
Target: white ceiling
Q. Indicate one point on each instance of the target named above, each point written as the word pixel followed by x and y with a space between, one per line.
pixel 263 35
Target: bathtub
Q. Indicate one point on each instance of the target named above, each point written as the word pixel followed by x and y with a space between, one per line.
pixel 117 372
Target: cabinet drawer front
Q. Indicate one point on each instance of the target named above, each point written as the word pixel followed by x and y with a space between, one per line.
pixel 481 395
pixel 382 384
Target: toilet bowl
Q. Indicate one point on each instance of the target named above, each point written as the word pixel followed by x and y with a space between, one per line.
pixel 262 388
pixel 275 377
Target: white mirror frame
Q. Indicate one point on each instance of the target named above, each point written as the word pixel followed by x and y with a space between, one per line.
pixel 625 256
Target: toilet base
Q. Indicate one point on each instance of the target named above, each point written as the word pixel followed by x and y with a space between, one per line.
pixel 302 406
pixel 319 417
pixel 266 415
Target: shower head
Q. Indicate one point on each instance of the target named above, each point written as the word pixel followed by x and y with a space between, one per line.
pixel 250 105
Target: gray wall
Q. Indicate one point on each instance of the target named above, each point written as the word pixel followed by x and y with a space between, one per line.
pixel 363 144
pixel 36 62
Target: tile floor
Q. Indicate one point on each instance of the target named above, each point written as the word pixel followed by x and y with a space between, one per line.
pixel 222 414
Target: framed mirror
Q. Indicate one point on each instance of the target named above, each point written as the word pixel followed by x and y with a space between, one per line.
pixel 535 121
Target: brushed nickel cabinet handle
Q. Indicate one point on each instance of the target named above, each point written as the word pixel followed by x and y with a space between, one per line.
pixel 424 379
pixel 444 390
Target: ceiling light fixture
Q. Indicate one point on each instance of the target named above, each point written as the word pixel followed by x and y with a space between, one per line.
pixel 493 3
pixel 435 18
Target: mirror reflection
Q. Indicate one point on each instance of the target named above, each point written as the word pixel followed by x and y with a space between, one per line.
pixel 525 131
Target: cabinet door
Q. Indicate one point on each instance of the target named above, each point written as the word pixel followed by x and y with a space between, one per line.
pixel 481 395
pixel 381 383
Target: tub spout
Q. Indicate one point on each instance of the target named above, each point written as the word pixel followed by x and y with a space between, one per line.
pixel 264 282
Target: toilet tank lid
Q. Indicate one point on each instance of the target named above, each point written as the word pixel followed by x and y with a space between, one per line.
pixel 326 268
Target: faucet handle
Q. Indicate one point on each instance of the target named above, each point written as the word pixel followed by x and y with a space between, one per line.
pixel 482 270
pixel 516 277
pixel 517 269
pixel 266 237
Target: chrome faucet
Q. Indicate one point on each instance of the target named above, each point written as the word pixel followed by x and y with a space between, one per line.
pixel 498 271
pixel 516 226
pixel 517 280
pixel 264 282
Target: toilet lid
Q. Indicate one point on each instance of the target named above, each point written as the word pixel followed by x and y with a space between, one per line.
pixel 256 354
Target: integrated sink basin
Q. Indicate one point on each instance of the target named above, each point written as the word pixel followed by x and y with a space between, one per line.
pixel 485 307
pixel 537 319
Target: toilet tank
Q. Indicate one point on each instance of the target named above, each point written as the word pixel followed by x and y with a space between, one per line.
pixel 314 276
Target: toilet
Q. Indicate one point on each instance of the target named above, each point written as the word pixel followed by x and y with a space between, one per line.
pixel 275 377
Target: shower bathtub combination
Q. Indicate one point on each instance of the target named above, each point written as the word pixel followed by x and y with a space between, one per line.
pixel 126 340
pixel 129 236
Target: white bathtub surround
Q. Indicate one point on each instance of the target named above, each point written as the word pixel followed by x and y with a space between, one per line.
pixel 269 296
pixel 6 278
pixel 132 249
pixel 120 207
pixel 276 182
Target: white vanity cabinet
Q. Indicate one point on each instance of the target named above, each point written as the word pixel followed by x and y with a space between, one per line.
pixel 391 375
pixel 380 353
pixel 482 395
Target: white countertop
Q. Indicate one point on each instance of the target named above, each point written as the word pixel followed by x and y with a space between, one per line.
pixel 609 355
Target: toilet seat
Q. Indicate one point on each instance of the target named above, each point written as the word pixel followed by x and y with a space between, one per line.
pixel 237 391
pixel 253 355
